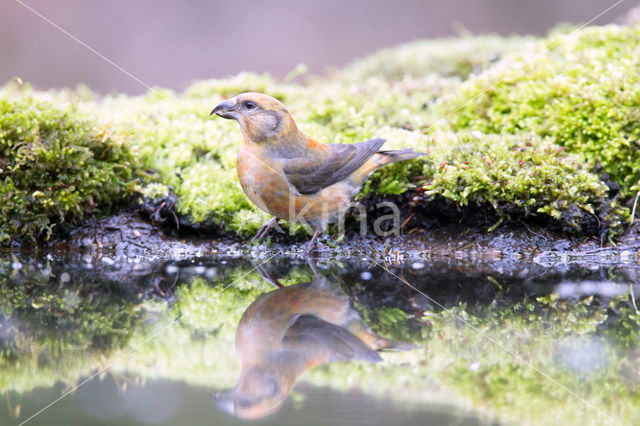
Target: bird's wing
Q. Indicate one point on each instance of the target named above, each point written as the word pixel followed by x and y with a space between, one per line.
pixel 311 336
pixel 343 159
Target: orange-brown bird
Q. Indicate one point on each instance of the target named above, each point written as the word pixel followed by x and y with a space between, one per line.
pixel 289 330
pixel 290 175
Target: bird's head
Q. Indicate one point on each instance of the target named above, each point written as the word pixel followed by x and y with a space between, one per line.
pixel 258 393
pixel 262 118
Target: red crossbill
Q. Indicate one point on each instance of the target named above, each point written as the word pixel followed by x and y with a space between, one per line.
pixel 289 330
pixel 290 175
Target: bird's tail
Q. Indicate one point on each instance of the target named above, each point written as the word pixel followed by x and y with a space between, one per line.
pixel 399 346
pixel 388 157
pixel 382 158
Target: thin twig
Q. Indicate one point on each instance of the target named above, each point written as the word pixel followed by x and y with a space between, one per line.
pixel 633 210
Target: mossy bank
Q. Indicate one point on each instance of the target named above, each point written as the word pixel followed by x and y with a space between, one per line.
pixel 522 129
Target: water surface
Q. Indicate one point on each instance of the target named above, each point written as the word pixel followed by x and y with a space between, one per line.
pixel 157 339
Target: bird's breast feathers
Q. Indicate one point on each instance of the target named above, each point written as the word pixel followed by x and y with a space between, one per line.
pixel 266 184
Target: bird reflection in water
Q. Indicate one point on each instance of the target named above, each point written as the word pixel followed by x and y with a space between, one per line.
pixel 289 330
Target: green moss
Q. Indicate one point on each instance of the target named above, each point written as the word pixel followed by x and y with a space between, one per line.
pixel 517 174
pixel 453 57
pixel 55 167
pixel 529 134
pixel 185 149
pixel 195 154
pixel 491 168
pixel 580 89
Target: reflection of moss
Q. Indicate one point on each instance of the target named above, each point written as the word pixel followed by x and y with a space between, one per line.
pixel 393 324
pixel 193 340
pixel 37 305
pixel 625 330
pixel 51 331
pixel 537 349
pixel 55 166
pixel 205 308
pixel 528 134
pixel 512 362
pixel 196 336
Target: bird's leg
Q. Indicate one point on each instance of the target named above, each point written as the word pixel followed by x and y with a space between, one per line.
pixel 269 277
pixel 313 243
pixel 313 267
pixel 264 229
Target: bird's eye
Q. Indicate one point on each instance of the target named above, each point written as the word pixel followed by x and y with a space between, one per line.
pixel 249 104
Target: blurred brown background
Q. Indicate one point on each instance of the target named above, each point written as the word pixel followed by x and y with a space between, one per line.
pixel 172 43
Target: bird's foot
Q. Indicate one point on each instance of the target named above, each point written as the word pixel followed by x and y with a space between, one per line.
pixel 312 247
pixel 263 231
pixel 311 252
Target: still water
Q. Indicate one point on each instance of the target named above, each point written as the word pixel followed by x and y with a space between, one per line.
pixel 155 339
